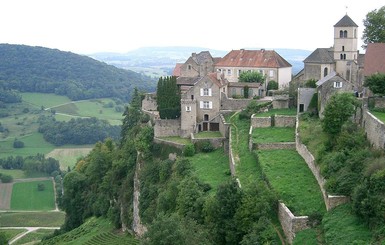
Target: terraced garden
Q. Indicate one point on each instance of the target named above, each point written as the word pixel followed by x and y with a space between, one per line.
pixel 273 135
pixel 283 112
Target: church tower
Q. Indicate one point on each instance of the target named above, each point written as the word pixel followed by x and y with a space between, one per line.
pixel 345 48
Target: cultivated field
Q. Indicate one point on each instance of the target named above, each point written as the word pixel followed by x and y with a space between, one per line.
pixel 32 219
pixel 68 156
pixel 26 196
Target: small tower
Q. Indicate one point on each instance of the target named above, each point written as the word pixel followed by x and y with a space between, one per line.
pixel 188 117
pixel 345 48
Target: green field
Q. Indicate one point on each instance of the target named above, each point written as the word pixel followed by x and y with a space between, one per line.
pixel 379 115
pixel 11 233
pixel 45 100
pixel 31 219
pixel 25 196
pixel 33 144
pixel 283 112
pixel 34 236
pixel 20 174
pixel 211 168
pixel 290 176
pixel 95 231
pixel 273 134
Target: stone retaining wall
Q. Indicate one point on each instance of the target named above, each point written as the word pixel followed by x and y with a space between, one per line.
pixel 260 122
pixel 374 129
pixel 284 121
pixel 279 121
pixel 290 223
pixel 171 143
pixel 215 142
pixel 274 146
pixel 167 127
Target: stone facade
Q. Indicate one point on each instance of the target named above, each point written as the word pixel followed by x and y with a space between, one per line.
pixel 167 127
pixel 197 65
pixel 149 102
pixel 304 97
pixel 284 121
pixel 188 117
pixel 170 143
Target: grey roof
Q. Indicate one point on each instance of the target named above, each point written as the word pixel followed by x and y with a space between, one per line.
pixel 320 55
pixel 187 80
pixel 346 21
pixel 202 57
pixel 331 77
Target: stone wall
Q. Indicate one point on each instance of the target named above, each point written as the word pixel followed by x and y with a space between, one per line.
pixel 149 102
pixel 171 143
pixel 290 223
pixel 284 121
pixel 260 122
pixel 374 129
pixel 281 103
pixel 304 97
pixel 215 142
pixel 233 104
pixel 330 200
pixel 166 127
pixel 231 156
pixel 379 102
pixel 274 146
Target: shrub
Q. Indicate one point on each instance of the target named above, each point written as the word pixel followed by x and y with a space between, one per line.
pixel 204 146
pixel 18 144
pixel 6 178
pixel 189 150
pixel 40 187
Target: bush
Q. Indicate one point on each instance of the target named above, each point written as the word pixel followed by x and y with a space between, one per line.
pixel 40 187
pixel 18 144
pixel 189 150
pixel 6 178
pixel 204 146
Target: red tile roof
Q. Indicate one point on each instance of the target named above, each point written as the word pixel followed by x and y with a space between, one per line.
pixel 219 82
pixel 374 59
pixel 253 58
pixel 176 71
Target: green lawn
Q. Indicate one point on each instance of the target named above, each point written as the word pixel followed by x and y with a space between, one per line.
pixel 20 174
pixel 341 226
pixel 311 134
pixel 273 134
pixel 25 196
pixel 247 168
pixel 33 144
pixel 46 100
pixel 11 233
pixel 212 168
pixel 379 115
pixel 308 237
pixel 31 219
pixel 284 112
pixel 289 175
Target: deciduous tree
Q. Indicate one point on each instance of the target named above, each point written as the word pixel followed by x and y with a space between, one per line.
pixel 374 23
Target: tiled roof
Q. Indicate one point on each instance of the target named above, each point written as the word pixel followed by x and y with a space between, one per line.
pixel 320 55
pixel 327 78
pixel 187 80
pixel 214 77
pixel 176 71
pixel 374 59
pixel 346 21
pixel 253 58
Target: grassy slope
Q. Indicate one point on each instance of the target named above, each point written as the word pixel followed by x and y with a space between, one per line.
pixel 212 168
pixel 292 179
pixel 25 196
pixel 34 236
pixel 93 231
pixel 32 219
pixel 273 134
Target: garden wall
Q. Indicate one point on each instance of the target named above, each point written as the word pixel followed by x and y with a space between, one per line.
pixel 374 129
pixel 233 104
pixel 279 121
pixel 215 142
pixel 274 146
pixel 290 223
pixel 170 143
pixel 285 121
pixel 260 122
pixel 166 127
pixel 330 200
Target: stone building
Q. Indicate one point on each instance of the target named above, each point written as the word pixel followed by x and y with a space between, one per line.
pixel 343 58
pixel 330 85
pixel 267 62
pixel 197 65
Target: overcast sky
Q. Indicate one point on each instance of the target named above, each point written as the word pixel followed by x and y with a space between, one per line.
pixel 89 26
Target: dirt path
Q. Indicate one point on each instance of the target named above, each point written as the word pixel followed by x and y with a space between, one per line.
pixel 5 195
pixel 29 230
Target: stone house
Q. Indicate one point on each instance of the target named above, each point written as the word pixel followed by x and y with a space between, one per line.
pixel 197 65
pixel 267 62
pixel 374 60
pixel 328 86
pixel 343 58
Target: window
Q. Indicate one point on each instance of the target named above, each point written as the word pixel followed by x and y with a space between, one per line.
pixel 219 70
pixel 206 92
pixel 325 71
pixel 343 48
pixel 239 72
pixel 271 73
pixel 345 34
pixel 189 67
pixel 188 108
pixel 205 117
pixel 229 72
pixel 338 84
pixel 344 56
pixel 206 105
pixel 341 34
pixel 192 97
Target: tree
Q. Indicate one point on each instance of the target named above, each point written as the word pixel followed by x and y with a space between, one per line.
pixel 251 77
pixel 376 83
pixel 18 144
pixel 374 23
pixel 339 109
pixel 272 85
pixel 168 98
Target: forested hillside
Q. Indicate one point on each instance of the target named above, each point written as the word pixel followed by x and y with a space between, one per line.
pixel 38 69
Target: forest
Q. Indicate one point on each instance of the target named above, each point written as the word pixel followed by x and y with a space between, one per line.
pixel 37 69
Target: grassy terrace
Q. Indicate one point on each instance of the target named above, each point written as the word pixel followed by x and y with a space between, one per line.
pixel 283 112
pixel 289 175
pixel 212 168
pixel 379 115
pixel 311 134
pixel 176 139
pixel 273 134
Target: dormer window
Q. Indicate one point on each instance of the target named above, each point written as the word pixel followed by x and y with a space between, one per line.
pixel 337 84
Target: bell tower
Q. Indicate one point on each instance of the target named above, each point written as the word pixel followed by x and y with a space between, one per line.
pixel 345 48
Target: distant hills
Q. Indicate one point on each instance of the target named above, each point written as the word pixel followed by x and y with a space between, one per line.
pixel 39 69
pixel 160 61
